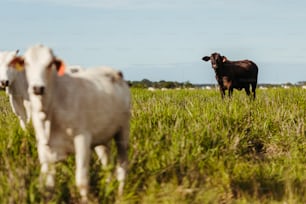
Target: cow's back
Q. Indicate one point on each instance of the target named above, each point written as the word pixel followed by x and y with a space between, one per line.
pixel 241 69
pixel 95 100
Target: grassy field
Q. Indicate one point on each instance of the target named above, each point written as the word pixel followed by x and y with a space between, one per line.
pixel 186 146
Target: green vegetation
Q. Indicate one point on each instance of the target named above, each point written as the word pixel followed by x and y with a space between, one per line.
pixel 186 146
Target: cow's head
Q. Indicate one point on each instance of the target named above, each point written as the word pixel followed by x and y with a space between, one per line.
pixel 7 74
pixel 40 65
pixel 216 60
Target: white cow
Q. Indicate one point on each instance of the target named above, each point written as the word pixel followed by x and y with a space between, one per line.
pixel 16 86
pixel 73 113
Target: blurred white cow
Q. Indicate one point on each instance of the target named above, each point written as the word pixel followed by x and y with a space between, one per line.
pixel 16 86
pixel 73 113
pixel 71 69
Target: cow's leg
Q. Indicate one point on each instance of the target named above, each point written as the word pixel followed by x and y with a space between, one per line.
pixel 19 110
pixel 122 139
pixel 230 92
pixel 254 89
pixel 45 155
pixel 27 106
pixel 82 155
pixel 222 91
pixel 22 122
pixel 103 153
pixel 47 170
pixel 247 90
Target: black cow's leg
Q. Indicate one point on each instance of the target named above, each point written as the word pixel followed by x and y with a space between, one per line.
pixel 222 91
pixel 247 90
pixel 254 89
pixel 230 92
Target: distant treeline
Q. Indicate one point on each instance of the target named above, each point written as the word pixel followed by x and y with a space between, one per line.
pixel 146 83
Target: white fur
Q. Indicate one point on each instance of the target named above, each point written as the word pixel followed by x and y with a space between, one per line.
pixel 17 89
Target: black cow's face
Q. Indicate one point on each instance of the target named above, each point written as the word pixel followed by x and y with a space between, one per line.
pixel 216 60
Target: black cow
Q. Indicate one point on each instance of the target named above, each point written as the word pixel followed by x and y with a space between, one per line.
pixel 234 74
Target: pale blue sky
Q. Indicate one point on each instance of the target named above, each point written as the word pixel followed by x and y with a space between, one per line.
pixel 163 39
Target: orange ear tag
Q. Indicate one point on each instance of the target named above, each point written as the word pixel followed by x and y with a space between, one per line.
pixel 61 70
pixel 19 67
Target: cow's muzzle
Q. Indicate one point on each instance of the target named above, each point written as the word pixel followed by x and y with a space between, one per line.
pixel 5 83
pixel 38 90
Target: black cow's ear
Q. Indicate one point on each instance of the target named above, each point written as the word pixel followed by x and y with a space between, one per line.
pixel 206 58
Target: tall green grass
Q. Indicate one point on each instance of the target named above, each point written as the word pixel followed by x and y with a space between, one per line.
pixel 186 146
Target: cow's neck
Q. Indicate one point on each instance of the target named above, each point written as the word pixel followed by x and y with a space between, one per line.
pixel 19 86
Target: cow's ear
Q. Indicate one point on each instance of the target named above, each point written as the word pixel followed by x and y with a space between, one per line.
pixel 206 58
pixel 60 67
pixel 224 59
pixel 17 63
